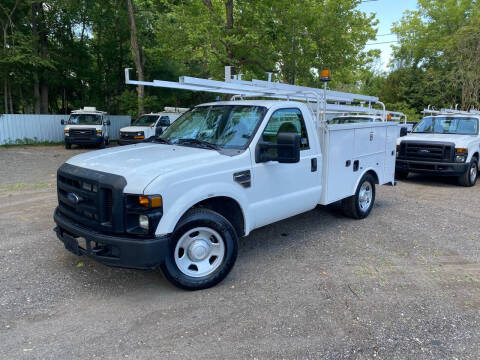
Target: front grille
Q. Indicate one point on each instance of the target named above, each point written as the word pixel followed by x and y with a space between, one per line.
pixel 427 151
pixel 128 135
pixel 82 133
pixel 91 198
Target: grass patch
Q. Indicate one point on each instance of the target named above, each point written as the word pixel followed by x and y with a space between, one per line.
pixel 30 142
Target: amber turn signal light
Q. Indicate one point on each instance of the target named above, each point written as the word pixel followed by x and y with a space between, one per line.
pixel 150 202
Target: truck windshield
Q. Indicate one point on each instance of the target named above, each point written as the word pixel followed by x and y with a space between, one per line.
pixel 85 119
pixel 145 120
pixel 448 125
pixel 350 120
pixel 225 126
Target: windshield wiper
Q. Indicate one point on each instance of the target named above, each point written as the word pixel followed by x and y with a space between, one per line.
pixel 200 143
pixel 162 141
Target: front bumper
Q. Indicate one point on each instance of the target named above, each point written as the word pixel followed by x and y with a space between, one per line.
pixel 112 250
pixel 431 167
pixel 121 141
pixel 92 140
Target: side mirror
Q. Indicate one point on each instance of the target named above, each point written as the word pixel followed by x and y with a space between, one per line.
pixel 158 131
pixel 62 122
pixel 164 121
pixel 108 123
pixel 403 131
pixel 285 151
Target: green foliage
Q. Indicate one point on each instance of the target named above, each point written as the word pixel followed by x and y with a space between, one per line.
pixel 437 61
pixel 81 47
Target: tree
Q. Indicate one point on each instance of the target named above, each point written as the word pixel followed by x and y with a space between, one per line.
pixel 136 55
pixel 439 46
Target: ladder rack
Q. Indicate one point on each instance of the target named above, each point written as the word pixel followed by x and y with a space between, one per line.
pixel 320 101
pixel 433 111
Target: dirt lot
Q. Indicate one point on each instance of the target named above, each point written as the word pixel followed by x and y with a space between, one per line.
pixel 402 284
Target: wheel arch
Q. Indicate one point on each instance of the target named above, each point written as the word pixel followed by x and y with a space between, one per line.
pixel 227 202
pixel 370 171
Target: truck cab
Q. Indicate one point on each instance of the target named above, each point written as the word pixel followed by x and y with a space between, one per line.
pixel 148 126
pixel 87 126
pixel 445 143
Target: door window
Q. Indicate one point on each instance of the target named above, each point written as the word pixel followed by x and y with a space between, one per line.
pixel 286 120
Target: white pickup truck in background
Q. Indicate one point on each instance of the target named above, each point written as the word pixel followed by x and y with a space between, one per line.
pixel 147 126
pixel 444 143
pixel 219 172
pixel 87 126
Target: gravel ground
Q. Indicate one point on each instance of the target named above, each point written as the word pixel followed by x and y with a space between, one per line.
pixel 402 284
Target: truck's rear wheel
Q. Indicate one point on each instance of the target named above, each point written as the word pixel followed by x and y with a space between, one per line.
pixel 202 252
pixel 471 175
pixel 360 205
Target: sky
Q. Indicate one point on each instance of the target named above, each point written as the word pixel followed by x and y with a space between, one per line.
pixel 387 11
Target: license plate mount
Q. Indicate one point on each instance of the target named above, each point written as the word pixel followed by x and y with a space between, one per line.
pixel 71 244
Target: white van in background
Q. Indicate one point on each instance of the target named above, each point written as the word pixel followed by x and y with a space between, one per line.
pixel 87 126
pixel 147 126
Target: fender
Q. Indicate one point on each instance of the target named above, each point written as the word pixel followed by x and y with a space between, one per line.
pixel 363 174
pixel 182 204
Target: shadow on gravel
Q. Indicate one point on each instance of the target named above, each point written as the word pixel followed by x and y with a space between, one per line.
pixel 430 180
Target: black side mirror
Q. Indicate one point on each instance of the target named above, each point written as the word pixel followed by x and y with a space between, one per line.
pixel 164 121
pixel 403 131
pixel 158 131
pixel 108 123
pixel 62 122
pixel 286 150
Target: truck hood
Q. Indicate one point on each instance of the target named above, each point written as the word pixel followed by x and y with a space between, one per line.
pixel 140 164
pixel 68 127
pixel 458 140
pixel 134 128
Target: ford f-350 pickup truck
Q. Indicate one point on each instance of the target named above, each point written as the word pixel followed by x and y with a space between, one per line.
pixel 444 143
pixel 220 171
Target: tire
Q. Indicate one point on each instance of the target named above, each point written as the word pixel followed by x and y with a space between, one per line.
pixel 102 144
pixel 211 231
pixel 107 141
pixel 401 175
pixel 469 178
pixel 68 146
pixel 357 206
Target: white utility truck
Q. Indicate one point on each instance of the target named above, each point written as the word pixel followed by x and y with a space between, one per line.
pixel 220 171
pixel 86 126
pixel 444 143
pixel 148 126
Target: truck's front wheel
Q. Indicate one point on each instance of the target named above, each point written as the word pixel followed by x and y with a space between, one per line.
pixel 360 205
pixel 470 177
pixel 202 252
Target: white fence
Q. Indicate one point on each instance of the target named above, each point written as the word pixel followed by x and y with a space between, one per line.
pixel 18 128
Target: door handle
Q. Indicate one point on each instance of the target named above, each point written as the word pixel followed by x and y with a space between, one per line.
pixel 356 165
pixel 314 164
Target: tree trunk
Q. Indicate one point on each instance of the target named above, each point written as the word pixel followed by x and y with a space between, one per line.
pixel 44 55
pixel 5 93
pixel 10 98
pixel 136 55
pixel 36 82
pixel 228 28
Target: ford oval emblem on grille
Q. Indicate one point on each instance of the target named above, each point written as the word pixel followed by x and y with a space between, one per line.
pixel 425 151
pixel 73 198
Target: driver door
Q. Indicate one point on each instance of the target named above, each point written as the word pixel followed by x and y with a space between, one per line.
pixel 283 190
